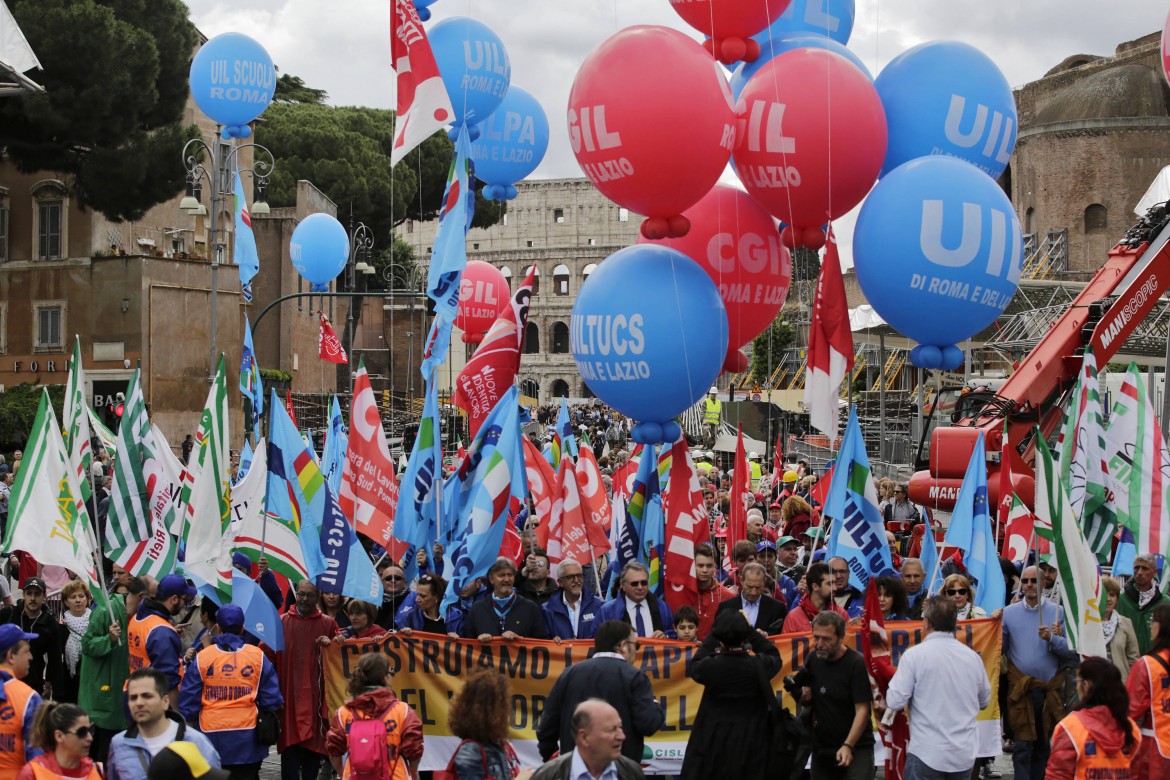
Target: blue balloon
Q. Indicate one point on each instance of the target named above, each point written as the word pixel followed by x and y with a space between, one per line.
pixel 474 65
pixel 945 97
pixel 319 249
pixel 938 250
pixel 830 18
pixel 424 12
pixel 511 144
pixel 952 358
pixel 785 43
pixel 232 81
pixel 649 332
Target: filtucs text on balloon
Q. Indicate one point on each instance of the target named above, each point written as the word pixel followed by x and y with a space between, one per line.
pixel 606 334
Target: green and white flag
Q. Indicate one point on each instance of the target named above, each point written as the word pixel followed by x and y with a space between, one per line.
pixel 1079 579
pixel 104 435
pixel 128 522
pixel 156 556
pixel 75 419
pixel 207 495
pixel 45 515
pixel 260 527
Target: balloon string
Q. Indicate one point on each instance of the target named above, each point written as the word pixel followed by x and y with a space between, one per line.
pixel 682 318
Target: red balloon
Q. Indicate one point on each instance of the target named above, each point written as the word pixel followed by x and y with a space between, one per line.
pixel 1166 48
pixel 736 362
pixel 651 122
pixel 483 293
pixel 730 20
pixel 813 138
pixel 736 242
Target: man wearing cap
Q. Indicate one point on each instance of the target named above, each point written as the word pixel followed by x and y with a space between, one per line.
pixel 787 486
pixel 756 470
pixel 18 701
pixel 788 549
pixel 153 640
pixel 777 582
pixel 155 728
pixel 265 579
pixel 47 666
pixel 712 415
pixel 775 519
pixel 225 690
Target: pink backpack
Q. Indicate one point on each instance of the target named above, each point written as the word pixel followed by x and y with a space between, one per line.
pixel 368 756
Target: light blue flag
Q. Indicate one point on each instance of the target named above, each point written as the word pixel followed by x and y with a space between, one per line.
pixel 970 531
pixel 858 534
pixel 244 246
pixel 336 446
pixel 564 441
pixel 334 557
pixel 1124 555
pixel 932 583
pixel 494 485
pixel 260 616
pixel 420 494
pixel 246 456
pixel 250 384
pixel 642 510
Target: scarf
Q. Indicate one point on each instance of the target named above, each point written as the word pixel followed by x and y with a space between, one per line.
pixel 76 626
pixel 1146 597
pixel 503 606
pixel 1109 626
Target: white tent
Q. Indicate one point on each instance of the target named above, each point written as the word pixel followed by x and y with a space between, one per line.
pixel 1159 192
pixel 16 57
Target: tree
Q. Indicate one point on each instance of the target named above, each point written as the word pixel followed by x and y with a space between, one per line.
pixel 115 75
pixel 806 264
pixel 783 335
pixel 18 410
pixel 292 89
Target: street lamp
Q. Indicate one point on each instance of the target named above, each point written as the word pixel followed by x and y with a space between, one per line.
pixel 361 245
pixel 223 159
pixel 407 276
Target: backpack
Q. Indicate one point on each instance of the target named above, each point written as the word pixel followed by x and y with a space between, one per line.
pixel 368 759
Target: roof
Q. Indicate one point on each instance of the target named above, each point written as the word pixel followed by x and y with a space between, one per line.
pixel 1125 90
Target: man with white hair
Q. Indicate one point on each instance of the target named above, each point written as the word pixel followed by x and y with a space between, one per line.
pixel 1140 597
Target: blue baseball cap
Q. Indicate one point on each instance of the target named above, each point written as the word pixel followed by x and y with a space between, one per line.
pixel 242 562
pixel 10 635
pixel 174 585
pixel 765 545
pixel 230 616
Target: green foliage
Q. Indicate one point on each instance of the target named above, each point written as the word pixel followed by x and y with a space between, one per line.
pixel 115 75
pixel 396 263
pixel 783 336
pixel 345 152
pixel 18 410
pixel 806 265
pixel 292 89
pixel 275 375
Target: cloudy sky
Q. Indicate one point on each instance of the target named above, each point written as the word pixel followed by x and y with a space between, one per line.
pixel 343 46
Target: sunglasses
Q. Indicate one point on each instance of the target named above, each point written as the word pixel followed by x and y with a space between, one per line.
pixel 1028 580
pixel 639 584
pixel 571 577
pixel 82 733
pixel 957 591
pixel 393 578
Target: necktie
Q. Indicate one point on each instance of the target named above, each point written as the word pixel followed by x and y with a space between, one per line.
pixel 639 623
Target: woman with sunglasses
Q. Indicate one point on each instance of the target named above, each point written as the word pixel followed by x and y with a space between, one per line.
pixel 424 614
pixel 960 590
pixel 1098 739
pixel 63 731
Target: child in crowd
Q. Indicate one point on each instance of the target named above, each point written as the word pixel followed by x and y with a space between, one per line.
pixel 686 624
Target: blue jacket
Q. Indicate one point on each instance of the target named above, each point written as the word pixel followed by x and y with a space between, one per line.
pixel 164 648
pixel 789 589
pixel 30 714
pixel 556 616
pixel 128 751
pixel 267 583
pixel 410 615
pixel 235 746
pixel 615 609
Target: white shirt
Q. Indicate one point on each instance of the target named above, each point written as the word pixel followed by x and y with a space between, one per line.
pixel 155 744
pixel 578 770
pixel 574 612
pixel 945 684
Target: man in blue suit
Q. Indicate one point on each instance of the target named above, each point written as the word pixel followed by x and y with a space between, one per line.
pixel 571 611
pixel 638 607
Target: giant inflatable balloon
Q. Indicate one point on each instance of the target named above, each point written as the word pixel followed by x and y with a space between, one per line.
pixel 652 124
pixel 785 43
pixel 729 24
pixel 511 144
pixel 946 97
pixel 736 243
pixel 1166 48
pixel 830 18
pixel 809 153
pixel 319 249
pixel 423 8
pixel 474 65
pixel 649 335
pixel 232 81
pixel 937 251
pixel 483 293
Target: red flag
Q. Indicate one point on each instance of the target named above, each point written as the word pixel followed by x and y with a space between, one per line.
pixel 369 489
pixel 622 481
pixel 288 407
pixel 741 498
pixel 594 501
pixel 896 736
pixel 423 105
pixel 568 536
pixel 685 514
pixel 329 347
pixel 830 345
pixel 820 491
pixel 1019 532
pixel 493 367
pixel 778 461
pixel 541 483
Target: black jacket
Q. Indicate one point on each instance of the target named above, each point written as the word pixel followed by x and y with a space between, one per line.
pixel 48 649
pixel 613 680
pixel 559 769
pixel 770 616
pixel 524 619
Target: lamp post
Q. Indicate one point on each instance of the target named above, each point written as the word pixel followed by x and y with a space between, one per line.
pixel 397 273
pixel 361 244
pixel 222 159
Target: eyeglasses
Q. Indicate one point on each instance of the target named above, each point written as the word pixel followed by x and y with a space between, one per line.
pixel 1028 580
pixel 393 578
pixel 82 733
pixel 957 591
pixel 539 565
pixel 571 577
pixel 639 584
pixel 633 642
pixel 839 571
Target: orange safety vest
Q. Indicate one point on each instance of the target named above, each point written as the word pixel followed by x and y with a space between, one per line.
pixel 12 713
pixel 41 772
pixel 1092 762
pixel 138 631
pixel 231 681
pixel 393 717
pixel 1159 728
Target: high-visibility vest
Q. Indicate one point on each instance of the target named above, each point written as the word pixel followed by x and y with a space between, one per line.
pixel 1092 761
pixel 12 714
pixel 393 717
pixel 231 681
pixel 138 631
pixel 713 411
pixel 1159 705
pixel 757 472
pixel 42 772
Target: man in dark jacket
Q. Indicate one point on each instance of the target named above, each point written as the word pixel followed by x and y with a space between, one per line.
pixel 637 606
pixel 609 675
pixel 504 613
pixel 572 611
pixel 45 670
pixel 597 752
pixel 764 613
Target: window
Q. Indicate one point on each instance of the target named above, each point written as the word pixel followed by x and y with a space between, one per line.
pixel 586 392
pixel 506 272
pixel 560 389
pixel 49 324
pixel 560 339
pixel 1030 221
pixel 1096 218
pixel 531 341
pixel 50 210
pixel 475 245
pixel 529 243
pixel 588 270
pixel 561 279
pixel 592 242
pixel 530 388
pixel 623 215
pixel 559 216
pixel 505 219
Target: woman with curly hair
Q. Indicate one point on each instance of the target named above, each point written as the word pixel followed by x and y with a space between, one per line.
pixel 893 599
pixel 1101 720
pixel 480 715
pixel 795 516
pixel 960 590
